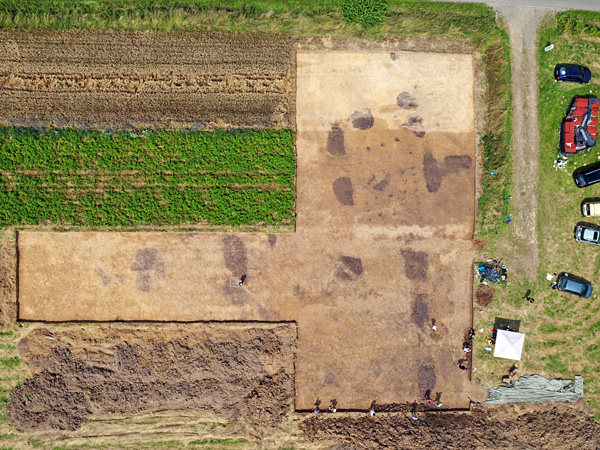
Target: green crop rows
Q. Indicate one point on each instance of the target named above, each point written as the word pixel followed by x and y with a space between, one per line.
pixel 93 178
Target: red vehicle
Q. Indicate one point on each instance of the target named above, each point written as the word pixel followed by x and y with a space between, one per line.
pixel 579 129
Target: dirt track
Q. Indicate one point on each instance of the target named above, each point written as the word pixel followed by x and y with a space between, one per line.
pixel 121 80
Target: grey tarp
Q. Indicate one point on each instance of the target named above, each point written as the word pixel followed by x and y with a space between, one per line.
pixel 535 389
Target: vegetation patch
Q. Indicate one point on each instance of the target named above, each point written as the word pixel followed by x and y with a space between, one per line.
pixel 91 178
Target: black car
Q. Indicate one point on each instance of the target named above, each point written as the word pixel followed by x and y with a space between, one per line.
pixel 572 73
pixel 574 285
pixel 587 175
pixel 587 233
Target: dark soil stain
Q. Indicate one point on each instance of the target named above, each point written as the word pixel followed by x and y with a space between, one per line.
pixel 335 141
pixel 381 185
pixel 393 56
pixel 457 162
pixel 353 264
pixel 363 120
pixel 235 254
pixel 341 274
pixel 272 240
pixel 149 264
pixel 342 188
pixel 406 101
pixel 434 174
pixel 427 377
pixel 416 264
pixel 299 291
pixel 329 378
pixel 103 276
pixel 420 310
pixel 415 124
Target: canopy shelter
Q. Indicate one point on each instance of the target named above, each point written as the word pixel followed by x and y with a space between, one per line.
pixel 509 344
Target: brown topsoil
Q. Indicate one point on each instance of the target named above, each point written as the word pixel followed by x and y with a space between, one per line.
pixel 243 373
pixel 550 425
pixel 484 294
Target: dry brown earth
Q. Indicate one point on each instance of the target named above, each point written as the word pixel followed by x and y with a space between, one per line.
pixel 383 241
pixel 123 80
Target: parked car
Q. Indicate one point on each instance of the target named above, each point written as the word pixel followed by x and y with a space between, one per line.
pixel 590 209
pixel 587 233
pixel 587 175
pixel 573 284
pixel 572 73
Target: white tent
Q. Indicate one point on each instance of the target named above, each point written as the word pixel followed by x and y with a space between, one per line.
pixel 509 344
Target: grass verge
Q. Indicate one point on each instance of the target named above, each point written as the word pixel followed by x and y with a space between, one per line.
pixel 561 330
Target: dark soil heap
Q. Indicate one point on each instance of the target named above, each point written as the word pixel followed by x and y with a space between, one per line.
pixel 552 425
pixel 240 372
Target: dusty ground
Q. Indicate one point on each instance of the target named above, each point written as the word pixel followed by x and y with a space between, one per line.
pixel 382 211
pixel 121 80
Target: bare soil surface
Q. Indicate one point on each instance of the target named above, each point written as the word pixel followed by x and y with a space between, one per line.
pixel 243 373
pixel 383 241
pixel 146 80
pixel 518 427
pixel 484 294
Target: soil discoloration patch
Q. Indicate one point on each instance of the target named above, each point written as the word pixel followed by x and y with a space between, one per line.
pixel 434 174
pixel 416 264
pixel 427 377
pixel 335 141
pixel 457 162
pixel 243 373
pixel 149 263
pixel 235 254
pixel 406 101
pixel 415 124
pixel 485 294
pixel 353 264
pixel 104 277
pixel 363 120
pixel 379 185
pixel 420 310
pixel 272 239
pixel 343 190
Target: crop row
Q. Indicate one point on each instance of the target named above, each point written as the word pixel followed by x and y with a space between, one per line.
pixel 93 178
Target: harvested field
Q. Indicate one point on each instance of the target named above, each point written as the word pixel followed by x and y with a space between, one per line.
pixel 145 80
pixel 383 244
pixel 240 372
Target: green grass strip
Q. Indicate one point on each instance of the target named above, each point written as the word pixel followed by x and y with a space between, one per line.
pixel 93 178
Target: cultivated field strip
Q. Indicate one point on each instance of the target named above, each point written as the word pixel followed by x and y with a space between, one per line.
pixel 94 178
pixel 138 80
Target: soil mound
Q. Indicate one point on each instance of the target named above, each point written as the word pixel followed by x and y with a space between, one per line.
pixel 557 427
pixel 243 373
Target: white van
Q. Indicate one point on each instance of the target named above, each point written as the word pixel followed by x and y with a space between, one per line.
pixel 590 209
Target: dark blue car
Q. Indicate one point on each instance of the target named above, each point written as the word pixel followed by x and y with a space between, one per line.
pixel 572 73
pixel 568 282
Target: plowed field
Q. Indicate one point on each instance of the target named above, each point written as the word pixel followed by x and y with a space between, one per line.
pixel 145 80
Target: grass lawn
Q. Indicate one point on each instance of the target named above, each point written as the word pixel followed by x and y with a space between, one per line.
pixel 563 331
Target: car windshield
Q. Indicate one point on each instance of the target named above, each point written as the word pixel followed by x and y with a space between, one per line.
pixel 590 235
pixel 571 71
